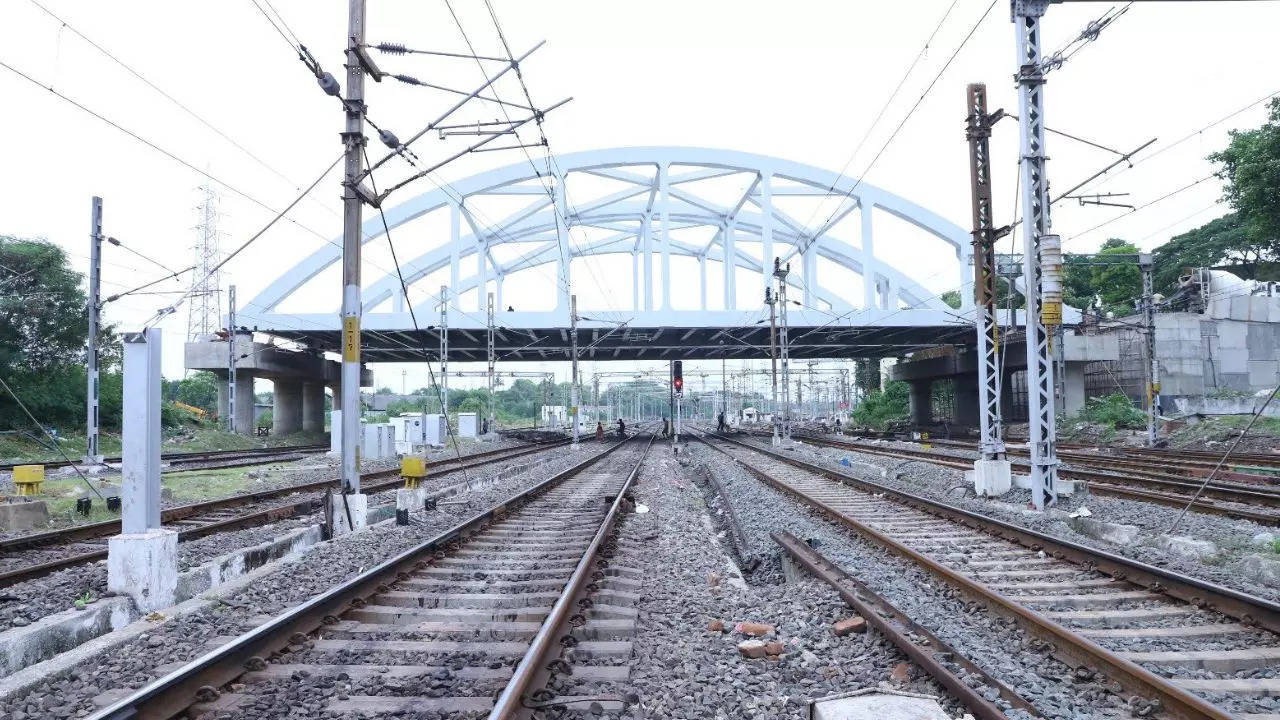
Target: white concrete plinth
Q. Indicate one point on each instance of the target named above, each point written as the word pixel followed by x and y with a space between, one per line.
pixel 411 499
pixel 991 478
pixel 879 706
pixel 144 566
pixel 358 504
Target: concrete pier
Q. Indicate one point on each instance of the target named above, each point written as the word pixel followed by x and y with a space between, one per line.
pixel 286 410
pixel 312 407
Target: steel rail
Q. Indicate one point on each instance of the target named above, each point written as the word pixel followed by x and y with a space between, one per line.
pixel 186 456
pixel 1247 608
pixel 170 695
pixel 253 519
pixel 933 654
pixel 1105 483
pixel 749 561
pixel 1073 649
pixel 532 668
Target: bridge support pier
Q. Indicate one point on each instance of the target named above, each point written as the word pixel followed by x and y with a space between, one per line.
pixel 964 401
pixel 286 411
pixel 920 408
pixel 312 407
pixel 244 402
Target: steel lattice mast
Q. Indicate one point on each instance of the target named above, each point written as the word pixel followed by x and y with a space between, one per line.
pixel 1046 310
pixel 978 131
pixel 204 311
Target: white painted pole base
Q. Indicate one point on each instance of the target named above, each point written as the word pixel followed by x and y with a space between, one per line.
pixel 991 478
pixel 144 566
pixel 358 504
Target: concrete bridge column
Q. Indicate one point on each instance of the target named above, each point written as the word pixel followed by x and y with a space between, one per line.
pixel 286 412
pixel 313 407
pixel 921 402
pixel 244 402
pixel 1073 388
pixel 964 401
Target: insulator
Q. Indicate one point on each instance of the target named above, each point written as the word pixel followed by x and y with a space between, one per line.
pixel 329 85
pixel 388 138
pixel 409 79
pixel 392 48
pixel 1051 280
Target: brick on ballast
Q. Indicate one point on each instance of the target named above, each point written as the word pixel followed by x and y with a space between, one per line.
pixel 855 624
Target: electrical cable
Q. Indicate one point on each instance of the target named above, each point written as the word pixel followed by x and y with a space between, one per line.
pixel 911 112
pixel 52 439
pixel 1145 205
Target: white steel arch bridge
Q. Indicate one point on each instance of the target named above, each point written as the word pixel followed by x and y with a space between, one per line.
pixel 722 208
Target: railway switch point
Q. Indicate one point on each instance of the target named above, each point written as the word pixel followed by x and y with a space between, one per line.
pixel 991 478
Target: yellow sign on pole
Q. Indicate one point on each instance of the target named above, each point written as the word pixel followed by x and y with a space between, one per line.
pixel 351 339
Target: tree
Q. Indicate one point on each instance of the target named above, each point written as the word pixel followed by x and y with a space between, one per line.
pixel 1219 241
pixel 199 389
pixel 1251 172
pixel 43 324
pixel 1108 279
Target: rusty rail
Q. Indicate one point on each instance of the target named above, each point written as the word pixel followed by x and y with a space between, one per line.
pixel 933 654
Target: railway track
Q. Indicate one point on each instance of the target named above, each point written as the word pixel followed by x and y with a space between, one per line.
pixel 1187 648
pixel 1159 464
pixel 217 458
pixel 1242 502
pixel 515 609
pixel 30 556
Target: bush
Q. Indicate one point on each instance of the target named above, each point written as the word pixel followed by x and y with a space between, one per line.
pixel 1114 411
pixel 882 407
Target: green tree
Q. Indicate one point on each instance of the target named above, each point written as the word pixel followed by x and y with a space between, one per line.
pixel 1251 172
pixel 1220 241
pixel 43 324
pixel 199 389
pixel 1108 280
pixel 880 408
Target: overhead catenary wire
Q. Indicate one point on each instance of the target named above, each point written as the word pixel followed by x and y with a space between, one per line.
pixel 892 136
pixel 1145 205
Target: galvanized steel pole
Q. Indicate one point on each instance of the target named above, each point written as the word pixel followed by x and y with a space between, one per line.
pixel 91 454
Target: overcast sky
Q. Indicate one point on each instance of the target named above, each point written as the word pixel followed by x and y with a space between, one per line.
pixel 798 80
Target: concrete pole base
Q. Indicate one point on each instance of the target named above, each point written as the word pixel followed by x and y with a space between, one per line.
pixel 991 478
pixel 358 504
pixel 144 566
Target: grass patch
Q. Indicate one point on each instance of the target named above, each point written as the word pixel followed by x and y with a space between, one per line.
pixel 202 438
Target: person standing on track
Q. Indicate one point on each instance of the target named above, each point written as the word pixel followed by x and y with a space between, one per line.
pixel 599 430
pixel 622 429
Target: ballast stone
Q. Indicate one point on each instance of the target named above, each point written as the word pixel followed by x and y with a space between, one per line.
pixel 1262 570
pixel 1102 530
pixel 1188 547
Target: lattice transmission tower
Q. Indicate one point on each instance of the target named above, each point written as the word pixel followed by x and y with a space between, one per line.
pixel 204 314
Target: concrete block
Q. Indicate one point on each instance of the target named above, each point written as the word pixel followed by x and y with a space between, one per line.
pixel 1235 381
pixel 1188 547
pixel 144 566
pixel 1260 308
pixel 1260 569
pixel 1264 373
pixel 236 563
pixel 19 515
pixel 21 647
pixel 1102 530
pixel 1240 308
pixel 1263 341
pixel 1208 328
pixel 1233 360
pixel 1022 482
pixel 358 504
pixel 878 706
pixel 468 425
pixel 991 478
pixel 1219 310
pixel 1232 334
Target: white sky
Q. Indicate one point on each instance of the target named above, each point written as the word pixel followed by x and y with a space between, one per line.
pixel 799 80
